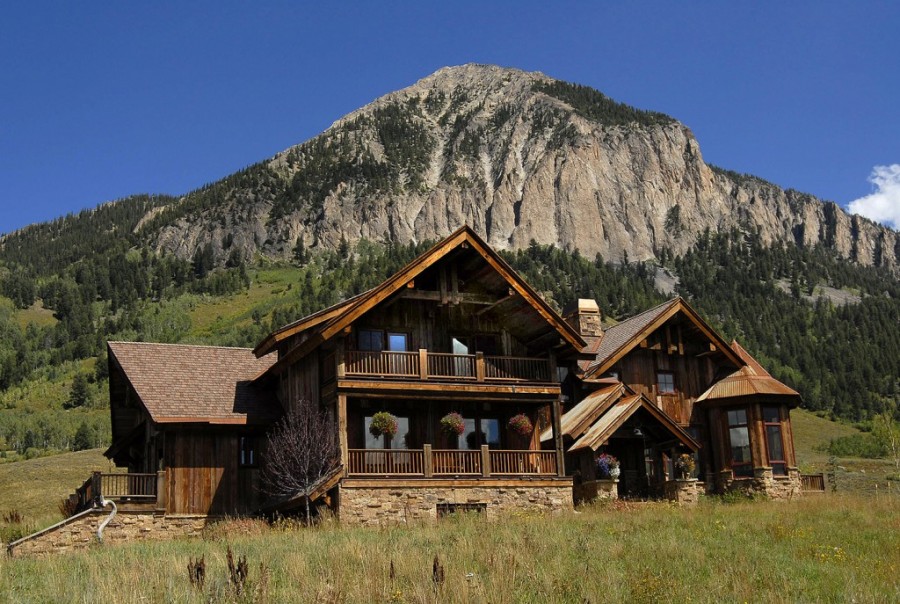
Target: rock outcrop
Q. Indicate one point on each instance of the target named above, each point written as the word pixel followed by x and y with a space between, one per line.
pixel 519 157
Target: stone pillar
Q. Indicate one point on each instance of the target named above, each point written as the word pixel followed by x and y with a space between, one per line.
pixel 683 491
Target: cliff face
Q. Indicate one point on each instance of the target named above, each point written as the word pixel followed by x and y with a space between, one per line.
pixel 517 156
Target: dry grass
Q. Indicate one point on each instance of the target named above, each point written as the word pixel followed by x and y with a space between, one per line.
pixel 835 548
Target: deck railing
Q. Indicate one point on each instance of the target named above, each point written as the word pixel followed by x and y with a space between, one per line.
pixel 425 365
pixel 445 463
pixel 116 487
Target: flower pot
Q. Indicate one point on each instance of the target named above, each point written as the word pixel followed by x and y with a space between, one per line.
pixel 614 473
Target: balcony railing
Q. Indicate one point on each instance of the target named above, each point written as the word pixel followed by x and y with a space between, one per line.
pixel 425 365
pixel 447 463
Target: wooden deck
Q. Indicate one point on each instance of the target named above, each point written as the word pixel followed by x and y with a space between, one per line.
pixel 121 488
pixel 426 365
pixel 449 463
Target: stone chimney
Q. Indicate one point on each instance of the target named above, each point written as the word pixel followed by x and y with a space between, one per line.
pixel 584 316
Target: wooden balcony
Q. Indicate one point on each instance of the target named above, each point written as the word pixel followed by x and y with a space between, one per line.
pixel 449 463
pixel 440 366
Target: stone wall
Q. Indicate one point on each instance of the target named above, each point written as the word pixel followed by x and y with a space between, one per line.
pixel 591 490
pixel 81 531
pixel 374 505
pixel 764 482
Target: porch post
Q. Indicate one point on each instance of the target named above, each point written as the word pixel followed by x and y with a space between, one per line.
pixel 429 466
pixel 423 364
pixel 479 366
pixel 556 413
pixel 161 491
pixel 342 430
pixel 485 461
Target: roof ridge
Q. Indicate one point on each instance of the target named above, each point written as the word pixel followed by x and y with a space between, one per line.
pixel 644 312
pixel 180 344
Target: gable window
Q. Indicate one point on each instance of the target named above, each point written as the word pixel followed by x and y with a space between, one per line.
pixel 247 457
pixel 774 440
pixel 665 382
pixel 739 439
pixel 371 340
pixel 397 342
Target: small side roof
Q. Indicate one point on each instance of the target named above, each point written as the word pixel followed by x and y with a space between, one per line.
pixel 577 419
pixel 178 383
pixel 750 380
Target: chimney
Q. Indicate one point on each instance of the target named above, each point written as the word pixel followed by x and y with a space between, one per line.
pixel 584 316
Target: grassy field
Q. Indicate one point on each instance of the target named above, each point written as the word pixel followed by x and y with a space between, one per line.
pixel 828 549
pixel 834 548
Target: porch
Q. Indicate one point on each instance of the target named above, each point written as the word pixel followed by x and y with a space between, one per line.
pixel 133 490
pixel 450 463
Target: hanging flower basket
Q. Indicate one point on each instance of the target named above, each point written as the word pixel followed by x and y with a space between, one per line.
pixel 685 465
pixel 520 424
pixel 607 466
pixel 453 424
pixel 383 424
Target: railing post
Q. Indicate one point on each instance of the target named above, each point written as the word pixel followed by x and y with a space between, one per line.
pixel 485 461
pixel 161 493
pixel 340 368
pixel 96 489
pixel 428 466
pixel 479 366
pixel 423 364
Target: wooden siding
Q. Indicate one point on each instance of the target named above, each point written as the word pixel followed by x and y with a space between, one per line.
pixel 203 474
pixel 692 377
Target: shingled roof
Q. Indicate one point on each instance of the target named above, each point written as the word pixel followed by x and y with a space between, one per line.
pixel 621 334
pixel 750 380
pixel 207 384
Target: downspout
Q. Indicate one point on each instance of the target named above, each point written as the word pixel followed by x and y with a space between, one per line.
pixel 112 515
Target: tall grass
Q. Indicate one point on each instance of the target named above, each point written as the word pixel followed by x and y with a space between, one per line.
pixel 825 548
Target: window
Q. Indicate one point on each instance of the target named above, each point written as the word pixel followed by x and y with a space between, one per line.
pixel 665 382
pixel 445 509
pixel 739 438
pixel 247 452
pixel 371 340
pixel 397 342
pixel 774 441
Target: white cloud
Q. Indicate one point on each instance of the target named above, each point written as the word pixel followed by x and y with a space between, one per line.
pixel 884 204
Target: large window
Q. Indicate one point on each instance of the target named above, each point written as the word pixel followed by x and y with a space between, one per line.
pixel 774 440
pixel 371 340
pixel 739 439
pixel 480 431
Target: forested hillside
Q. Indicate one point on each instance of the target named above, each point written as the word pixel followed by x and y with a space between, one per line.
pixel 842 358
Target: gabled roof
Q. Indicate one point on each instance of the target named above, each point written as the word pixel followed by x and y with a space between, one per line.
pixel 577 419
pixel 621 338
pixel 750 380
pixel 342 316
pixel 617 414
pixel 179 383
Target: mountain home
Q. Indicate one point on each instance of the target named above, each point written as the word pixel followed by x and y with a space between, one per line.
pixel 453 385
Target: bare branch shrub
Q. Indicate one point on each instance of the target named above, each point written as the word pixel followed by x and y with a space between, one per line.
pixel 302 448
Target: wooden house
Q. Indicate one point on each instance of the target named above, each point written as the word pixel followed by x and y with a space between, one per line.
pixel 456 331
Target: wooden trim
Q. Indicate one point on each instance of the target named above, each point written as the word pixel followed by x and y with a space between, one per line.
pixel 418 389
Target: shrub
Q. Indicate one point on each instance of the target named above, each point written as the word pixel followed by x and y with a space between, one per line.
pixel 857 445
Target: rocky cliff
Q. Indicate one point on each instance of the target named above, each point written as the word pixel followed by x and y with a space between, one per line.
pixel 519 157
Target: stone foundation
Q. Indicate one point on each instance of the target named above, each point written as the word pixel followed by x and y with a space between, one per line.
pixel 591 490
pixel 683 492
pixel 764 482
pixel 80 531
pixel 372 504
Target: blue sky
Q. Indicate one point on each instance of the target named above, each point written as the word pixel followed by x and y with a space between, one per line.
pixel 102 100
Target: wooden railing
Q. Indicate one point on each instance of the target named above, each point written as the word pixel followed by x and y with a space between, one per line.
pixel 812 483
pixel 445 365
pixel 387 461
pixel 400 364
pixel 456 462
pixel 117 487
pixel 425 365
pixel 517 462
pixel 444 463
pixel 516 368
